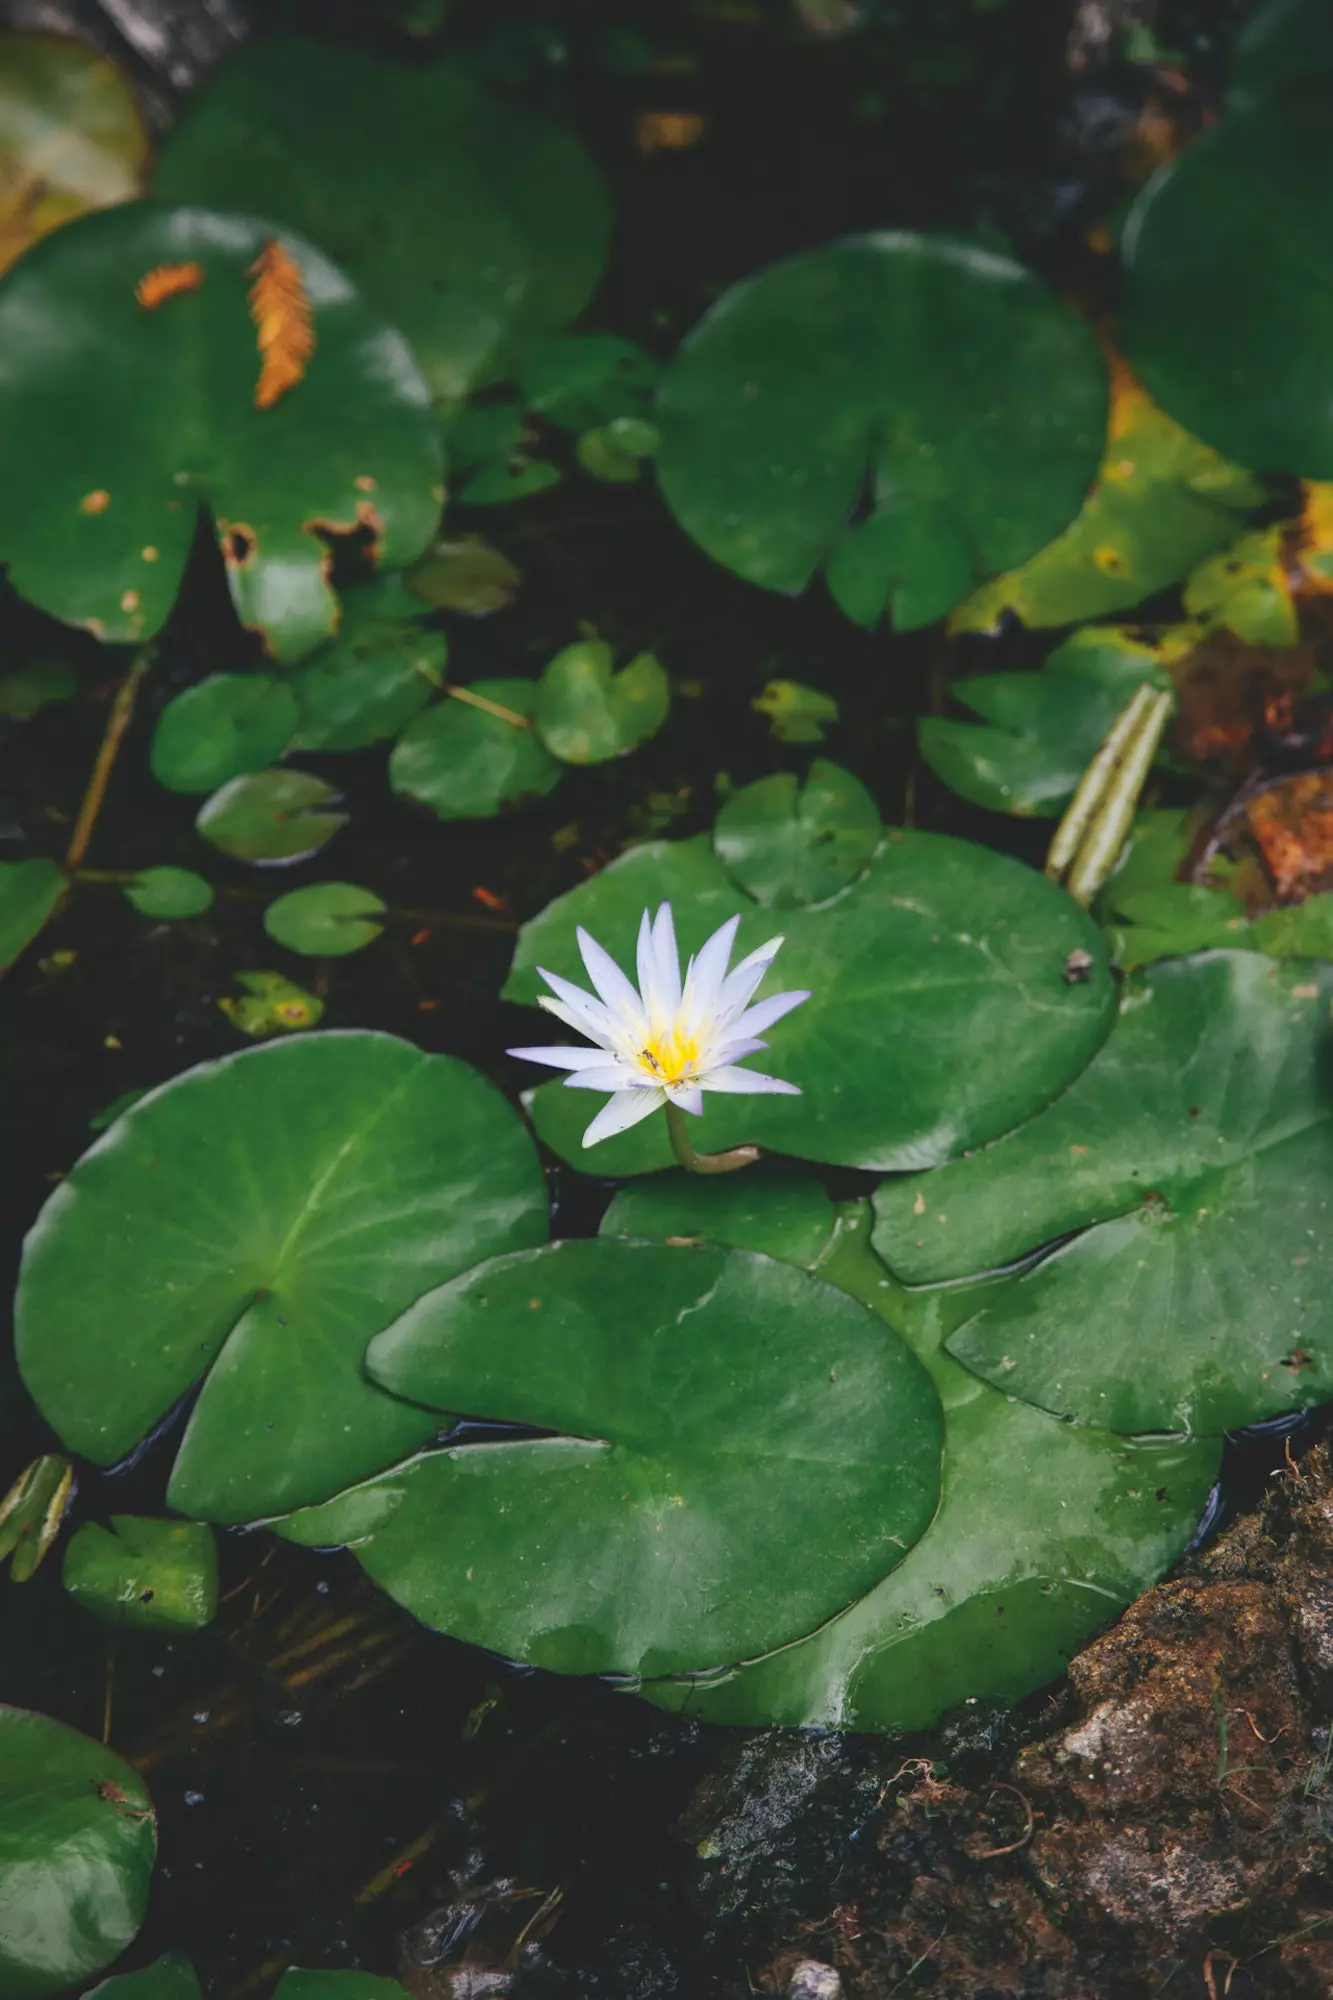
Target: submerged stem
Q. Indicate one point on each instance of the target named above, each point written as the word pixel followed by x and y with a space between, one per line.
pixel 122 709
pixel 704 1163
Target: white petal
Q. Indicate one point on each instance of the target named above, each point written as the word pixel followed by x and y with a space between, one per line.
pixel 667 953
pixel 688 1096
pixel 649 985
pixel 731 1050
pixel 578 1008
pixel 745 1082
pixel 561 1057
pixel 703 981
pixel 626 1108
pixel 756 1019
pixel 742 980
pixel 611 1076
pixel 621 999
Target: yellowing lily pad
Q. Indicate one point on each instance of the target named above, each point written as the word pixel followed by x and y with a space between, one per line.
pixel 71 137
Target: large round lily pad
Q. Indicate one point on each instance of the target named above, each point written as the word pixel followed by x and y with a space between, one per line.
pixel 1191 1165
pixel 253 1223
pixel 77 1845
pixel 71 137
pixel 476 226
pixel 942 376
pixel 1228 312
pixel 940 1014
pixel 121 421
pixel 1044 1532
pixel 740 1449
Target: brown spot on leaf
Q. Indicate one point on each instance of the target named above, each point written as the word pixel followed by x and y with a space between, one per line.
pixel 239 544
pixel 129 600
pixel 166 281
pixel 1300 1357
pixel 95 502
pixel 280 309
pixel 149 554
pixel 364 483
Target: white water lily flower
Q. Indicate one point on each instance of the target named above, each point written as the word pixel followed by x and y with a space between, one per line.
pixel 672 1039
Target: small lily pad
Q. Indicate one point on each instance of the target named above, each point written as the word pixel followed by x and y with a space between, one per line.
pixel 587 714
pixel 250 1225
pixel 464 575
pixel 77 1843
pixel 686 1386
pixel 158 1576
pixel 169 892
pixel 226 725
pixel 29 892
pixel 271 818
pixel 796 714
pixel 367 684
pixel 787 843
pixel 616 452
pixel 466 762
pixel 273 1005
pixel 326 920
pixel 1189 1169
pixel 71 137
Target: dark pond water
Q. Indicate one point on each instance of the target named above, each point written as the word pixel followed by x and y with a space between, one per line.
pixel 329 1778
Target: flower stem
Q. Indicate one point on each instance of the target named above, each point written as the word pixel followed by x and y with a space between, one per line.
pixel 704 1163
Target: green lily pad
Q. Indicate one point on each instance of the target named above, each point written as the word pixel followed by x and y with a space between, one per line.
pixel 368 684
pixel 173 1978
pixel 969 397
pixel 1246 590
pixel 587 379
pixel 271 817
pixel 326 920
pixel 77 1845
pixel 796 714
pixel 1189 1166
pixel 1040 731
pixel 466 763
pixel 272 1005
pixel 29 891
pixel 691 1388
pixel 476 225
pixel 1282 42
pixel 1162 502
pixel 251 1224
pixel 1044 1532
pixel 121 422
pixel 1178 918
pixel 158 1576
pixel 464 575
pixel 170 1977
pixel 587 714
pixel 616 452
pixel 169 892
pixel 224 726
pixel 34 685
pixel 780 1211
pixel 71 137
pixel 786 843
pixel 1220 317
pixel 940 955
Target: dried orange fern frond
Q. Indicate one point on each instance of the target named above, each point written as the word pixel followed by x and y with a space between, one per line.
pixel 164 281
pixel 280 309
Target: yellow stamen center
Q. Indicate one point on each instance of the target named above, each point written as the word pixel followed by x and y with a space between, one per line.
pixel 670 1056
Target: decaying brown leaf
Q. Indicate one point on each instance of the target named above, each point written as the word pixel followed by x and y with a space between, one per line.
pixel 280 309
pixel 1293 825
pixel 165 281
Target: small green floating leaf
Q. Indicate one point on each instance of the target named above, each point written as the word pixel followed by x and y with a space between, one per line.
pixel 273 1005
pixel 796 714
pixel 689 1387
pixel 157 1576
pixel 464 575
pixel 586 380
pixel 169 892
pixel 77 1845
pixel 271 817
pixel 587 714
pixel 29 891
pixel 251 1225
pixel 368 684
pixel 32 1513
pixel 941 952
pixel 787 843
pixel 615 452
pixel 226 725
pixel 944 377
pixel 121 422
pixel 465 762
pixel 1191 1165
pixel 326 920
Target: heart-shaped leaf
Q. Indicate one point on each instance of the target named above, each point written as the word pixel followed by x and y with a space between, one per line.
pixel 29 891
pixel 271 817
pixel 122 418
pixel 587 714
pixel 473 755
pixel 71 137
pixel 1189 1168
pixel 326 920
pixel 224 726
pixel 477 226
pixel 689 1386
pixel 169 892
pixel 253 1223
pixel 939 956
pixel 158 1576
pixel 369 683
pixel 1219 316
pixel 945 376
pixel 1043 1533
pixel 77 1844
pixel 785 843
